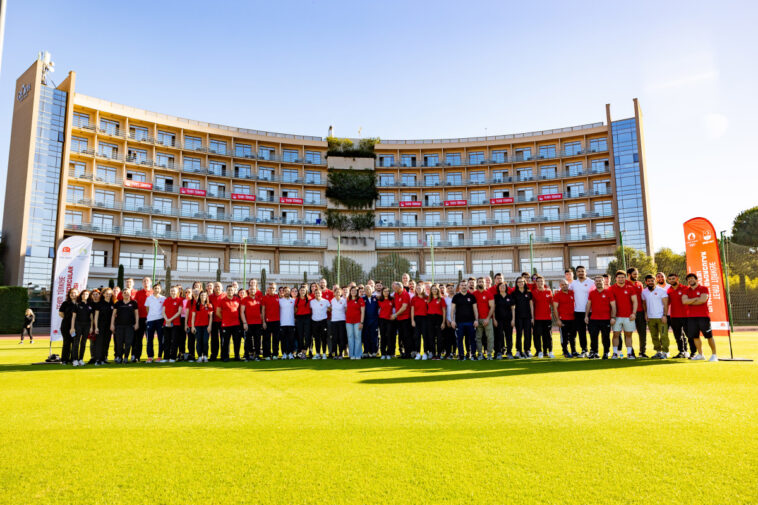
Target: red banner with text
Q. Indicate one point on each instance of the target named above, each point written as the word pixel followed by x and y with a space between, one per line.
pixel 704 260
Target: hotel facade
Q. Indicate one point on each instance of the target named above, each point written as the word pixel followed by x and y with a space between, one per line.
pixel 138 182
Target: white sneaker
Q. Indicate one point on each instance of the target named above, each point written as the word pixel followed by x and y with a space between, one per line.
pixel 424 357
pixel 418 357
pixel 172 361
pixel 550 354
pixel 615 356
pixel 81 362
pixel 75 363
pixel 686 354
pixel 315 356
pixel 713 358
pixel 323 355
pixel 539 355
pixel 630 356
pixel 291 356
pixel 698 357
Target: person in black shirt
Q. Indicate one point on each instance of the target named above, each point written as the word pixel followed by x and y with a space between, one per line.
pixel 124 322
pixel 93 302
pixel 66 312
pixel 81 326
pixel 523 318
pixel 464 317
pixel 103 313
pixel 502 321
pixel 27 328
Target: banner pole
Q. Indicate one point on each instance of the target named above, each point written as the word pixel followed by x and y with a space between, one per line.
pixel 339 260
pixel 623 251
pixel 724 258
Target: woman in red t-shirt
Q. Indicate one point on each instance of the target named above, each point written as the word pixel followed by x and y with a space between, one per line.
pixel 435 321
pixel 418 321
pixel 387 330
pixel 354 314
pixel 201 319
pixel 252 325
pixel 172 328
pixel 303 323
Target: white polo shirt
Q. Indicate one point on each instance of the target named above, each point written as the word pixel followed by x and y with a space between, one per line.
pixel 654 301
pixel 338 309
pixel 287 311
pixel 318 309
pixel 154 307
pixel 581 291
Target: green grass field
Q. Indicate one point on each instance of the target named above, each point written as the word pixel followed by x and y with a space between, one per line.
pixel 380 432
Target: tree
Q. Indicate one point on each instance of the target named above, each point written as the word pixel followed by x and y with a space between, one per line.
pixel 218 275
pixel 111 283
pixel 263 279
pixel 350 270
pixel 168 278
pixel 670 262
pixel 305 278
pixel 390 268
pixel 745 228
pixel 634 258
pixel 120 277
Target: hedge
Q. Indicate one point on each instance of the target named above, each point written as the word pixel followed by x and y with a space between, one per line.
pixel 14 300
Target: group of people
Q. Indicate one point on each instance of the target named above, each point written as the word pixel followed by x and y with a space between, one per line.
pixel 475 319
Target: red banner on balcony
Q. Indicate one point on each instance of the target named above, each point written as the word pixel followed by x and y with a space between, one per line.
pixel 138 184
pixel 192 191
pixel 552 196
pixel 291 200
pixel 410 204
pixel 243 196
pixel 501 201
pixel 456 203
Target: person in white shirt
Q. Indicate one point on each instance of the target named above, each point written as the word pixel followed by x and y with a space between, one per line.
pixel 581 286
pixel 655 302
pixel 660 280
pixel 319 330
pixel 287 324
pixel 448 334
pixel 338 343
pixel 154 322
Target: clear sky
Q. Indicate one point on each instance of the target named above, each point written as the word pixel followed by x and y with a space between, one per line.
pixel 430 69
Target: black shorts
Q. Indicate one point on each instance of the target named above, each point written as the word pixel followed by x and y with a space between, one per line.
pixel 698 325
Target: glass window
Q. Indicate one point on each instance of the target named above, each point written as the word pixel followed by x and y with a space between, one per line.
pixel 523 154
pixel 453 159
pixel 99 259
pixel 298 267
pixel 454 178
pixel 572 148
pixel 289 155
pixel 386 238
pixel 193 143
pixel 109 126
pixel 408 179
pixel 243 150
pixel 598 145
pixel 266 153
pixel 386 160
pixel 485 266
pixel 75 194
pixel 479 237
pixel 197 264
pixel 78 144
pixel 549 172
pixel 580 260
pixel 312 177
pixel 138 133
pixel 140 261
pixel 408 160
pixel 106 174
pixel 431 160
pixel 217 146
pixel 499 156
pixel 81 119
pixel 242 171
pixel 167 138
pixel 477 177
pixel 476 158
pixel 289 175
pixel 547 151
pixel 313 157
pixel 73 217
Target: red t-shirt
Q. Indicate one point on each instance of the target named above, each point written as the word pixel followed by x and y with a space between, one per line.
pixel 353 311
pixel 435 306
pixel 303 306
pixel 172 306
pixel 638 287
pixel 483 299
pixel 565 303
pixel 492 291
pixel 542 300
pixel 697 310
pixel 601 304
pixel 327 294
pixel 676 307
pixel 385 309
pixel 252 309
pixel 140 297
pixel 401 299
pixel 230 311
pixel 271 303
pixel 623 296
pixel 258 295
pixel 203 316
pixel 215 299
pixel 419 306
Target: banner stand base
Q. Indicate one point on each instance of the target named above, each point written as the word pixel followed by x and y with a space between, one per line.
pixel 735 359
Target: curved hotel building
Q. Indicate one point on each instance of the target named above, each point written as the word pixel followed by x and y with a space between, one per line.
pixel 131 179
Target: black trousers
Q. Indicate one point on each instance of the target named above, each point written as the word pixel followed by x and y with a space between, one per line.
pixel 171 337
pixel 68 344
pixel 388 335
pixel 433 343
pixel 597 327
pixel 543 338
pixel 102 343
pixel 287 338
pixel 679 327
pixel 641 324
pixel 581 329
pixel 405 335
pixel 303 333
pixel 523 327
pixel 123 337
pixel 139 333
pixel 82 332
pixel 448 339
pixel 253 340
pixel 503 336
pixel 568 336
pixel 419 332
pixel 338 344
pixel 190 343
pixel 320 336
pixel 215 340
pixel 231 334
pixel 370 336
pixel 271 339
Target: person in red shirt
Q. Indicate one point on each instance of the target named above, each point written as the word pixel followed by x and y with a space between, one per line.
pixel 252 324
pixel 402 304
pixel 543 318
pixel 217 295
pixel 387 331
pixel 354 314
pixel 418 322
pixel 140 297
pixel 227 309
pixel 599 316
pixel 172 328
pixel 639 317
pixel 493 289
pixel 563 308
pixel 201 319
pixel 698 318
pixel 678 316
pixel 270 317
pixel 485 307
pixel 303 323
pixel 436 309
pixel 625 295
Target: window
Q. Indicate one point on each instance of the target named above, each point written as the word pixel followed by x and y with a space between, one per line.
pixel 312 177
pixel 243 150
pixel 501 193
pixel 407 160
pixel 547 151
pixel 107 150
pixel 265 214
pixel 216 211
pixel 455 237
pixel 289 175
pixel 431 160
pixel 242 171
pixel 453 159
pixel 297 267
pixel 312 217
pixel 503 236
pixel 189 231
pixel 194 143
pixel 432 180
pixel 138 156
pixel 478 217
pixel 289 155
pixel 549 190
pixel 599 166
pixel 455 195
pixel 408 197
pixel 190 208
pixel 499 156
pixel 386 199
pixel 216 189
pixel 109 126
pixel 485 266
pixel 477 177
pixel 479 237
pixel 217 168
pixel 313 157
pixel 140 261
pixel 197 264
pixel 162 205
pixel 525 194
pixel 580 260
pixel 312 196
pixel 446 267
pixel 217 146
pixel 75 194
pixel 501 215
pixel 289 193
pixel 102 222
pixel 240 212
pixel 192 164
pixel 524 233
pixel 386 160
pixel 266 153
pixel 78 144
pixel 265 174
pixel 242 189
pixel 433 237
pixel 73 217
pixel 166 138
pixel 602 208
pixel 551 264
pixel 432 219
pixel 387 218
pixel 575 189
pixel 573 169
pixel 81 119
pixel 167 183
pixel 524 174
pixel 105 198
pixel 132 224
pixel 77 168
pixel 214 232
pixel 476 158
pixel 409 218
pixel 454 178
pixel 572 148
pixel 602 262
pixel 254 266
pixel 410 238
pixel 265 235
pixel 240 234
pixel 523 153
pixel 526 215
pixel 577 231
pixel 139 133
pixel 455 218
pixel 408 179
pixel 164 160
pixel 99 259
pixel 552 233
pixel 601 187
pixel 548 172
pixel 431 199
pixel 386 180
pixel 552 213
pixel 604 229
pixel 161 228
pixel 597 145
pixel 106 174
pixel 313 237
pixel 386 238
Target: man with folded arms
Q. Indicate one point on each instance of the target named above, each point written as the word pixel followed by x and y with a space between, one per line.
pixel 655 303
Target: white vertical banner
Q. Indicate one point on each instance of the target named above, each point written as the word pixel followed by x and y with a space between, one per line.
pixel 71 271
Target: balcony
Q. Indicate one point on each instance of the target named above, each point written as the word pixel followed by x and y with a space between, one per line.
pixel 515 158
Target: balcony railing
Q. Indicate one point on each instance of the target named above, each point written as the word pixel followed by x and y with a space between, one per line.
pixel 515 158
pixel 492 221
pixel 511 241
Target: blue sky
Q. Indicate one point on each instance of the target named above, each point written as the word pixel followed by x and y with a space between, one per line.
pixel 430 69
